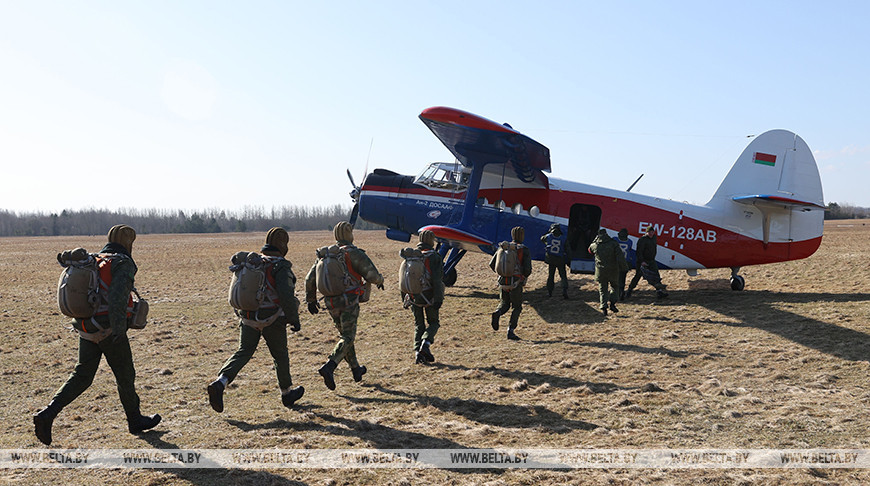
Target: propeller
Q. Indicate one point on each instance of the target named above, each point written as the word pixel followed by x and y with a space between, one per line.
pixel 355 192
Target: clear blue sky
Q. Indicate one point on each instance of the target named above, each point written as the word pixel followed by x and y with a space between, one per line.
pixel 216 104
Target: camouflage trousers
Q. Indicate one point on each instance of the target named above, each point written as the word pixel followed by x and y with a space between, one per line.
pixel 120 359
pixel 422 315
pixel 275 336
pixel 511 298
pixel 608 289
pixel 345 319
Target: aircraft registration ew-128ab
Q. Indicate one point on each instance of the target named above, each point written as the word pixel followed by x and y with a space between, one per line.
pixel 769 208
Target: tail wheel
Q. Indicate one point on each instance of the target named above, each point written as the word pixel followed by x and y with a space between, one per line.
pixel 737 282
pixel 450 277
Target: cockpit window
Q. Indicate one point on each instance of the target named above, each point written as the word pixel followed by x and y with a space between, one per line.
pixel 443 175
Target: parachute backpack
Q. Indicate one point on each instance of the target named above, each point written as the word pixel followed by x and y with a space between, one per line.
pixel 82 292
pixel 249 288
pixel 414 276
pixel 507 259
pixel 331 270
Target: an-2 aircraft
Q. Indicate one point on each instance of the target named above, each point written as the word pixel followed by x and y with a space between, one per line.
pixel 769 208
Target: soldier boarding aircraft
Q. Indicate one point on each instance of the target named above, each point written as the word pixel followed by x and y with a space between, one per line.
pixel 768 209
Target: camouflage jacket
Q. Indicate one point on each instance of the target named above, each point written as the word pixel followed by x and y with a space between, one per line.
pixel 123 273
pixel 436 266
pixel 609 258
pixel 285 285
pixel 646 251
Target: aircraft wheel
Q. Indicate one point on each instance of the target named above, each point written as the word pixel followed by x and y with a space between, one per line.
pixel 737 282
pixel 450 278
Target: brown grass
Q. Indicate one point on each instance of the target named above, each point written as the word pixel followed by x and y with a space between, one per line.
pixel 782 364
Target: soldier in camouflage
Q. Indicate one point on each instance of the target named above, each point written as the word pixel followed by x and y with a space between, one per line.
pixel 344 311
pixel 609 261
pixel 275 333
pixel 514 297
pixel 647 267
pixel 115 346
pixel 426 309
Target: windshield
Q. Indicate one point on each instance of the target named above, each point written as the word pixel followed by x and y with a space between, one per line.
pixel 443 175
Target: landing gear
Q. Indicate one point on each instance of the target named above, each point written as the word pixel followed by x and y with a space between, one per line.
pixel 737 282
pixel 450 277
pixel 450 261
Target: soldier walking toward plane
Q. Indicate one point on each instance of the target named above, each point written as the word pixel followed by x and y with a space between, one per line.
pixel 422 287
pixel 267 318
pixel 556 257
pixel 104 334
pixel 513 263
pixel 343 273
pixel 646 264
pixel 609 261
pixel 625 244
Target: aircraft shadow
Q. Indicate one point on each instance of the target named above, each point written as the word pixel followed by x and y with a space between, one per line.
pixel 214 475
pixel 486 412
pixel 761 310
pixel 555 309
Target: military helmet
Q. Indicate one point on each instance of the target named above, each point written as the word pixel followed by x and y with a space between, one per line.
pixel 278 238
pixel 122 235
pixel 602 232
pixel 518 233
pixel 343 231
pixel 427 237
pixel 623 234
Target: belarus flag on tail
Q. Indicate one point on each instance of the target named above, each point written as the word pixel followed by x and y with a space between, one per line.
pixel 765 159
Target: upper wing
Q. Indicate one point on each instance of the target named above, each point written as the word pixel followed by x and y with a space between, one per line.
pixel 476 140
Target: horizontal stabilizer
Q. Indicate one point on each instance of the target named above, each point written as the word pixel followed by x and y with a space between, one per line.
pixel 456 235
pixel 776 202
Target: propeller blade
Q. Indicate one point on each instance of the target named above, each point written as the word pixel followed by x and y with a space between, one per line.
pixel 353 214
pixel 351 178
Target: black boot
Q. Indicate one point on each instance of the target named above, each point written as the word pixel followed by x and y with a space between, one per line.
pixel 289 398
pixel 494 323
pixel 512 336
pixel 143 423
pixel 43 420
pixel 216 395
pixel 358 372
pixel 424 351
pixel 327 371
pixel 613 307
pixel 565 294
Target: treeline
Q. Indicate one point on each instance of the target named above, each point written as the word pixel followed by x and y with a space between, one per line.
pixel 98 221
pixel 846 211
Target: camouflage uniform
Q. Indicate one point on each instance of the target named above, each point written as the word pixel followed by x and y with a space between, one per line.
pixel 426 309
pixel 556 258
pixel 514 297
pixel 609 261
pixel 115 347
pixel 625 244
pixel 345 310
pixel 647 248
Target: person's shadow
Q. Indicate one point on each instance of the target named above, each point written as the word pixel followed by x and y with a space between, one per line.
pixel 211 474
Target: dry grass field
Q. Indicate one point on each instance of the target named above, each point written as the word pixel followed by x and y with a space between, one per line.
pixel 783 364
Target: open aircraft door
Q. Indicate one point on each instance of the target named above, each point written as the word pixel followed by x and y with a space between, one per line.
pixel 583 224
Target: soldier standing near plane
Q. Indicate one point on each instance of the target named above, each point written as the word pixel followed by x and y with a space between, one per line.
pixel 646 264
pixel 625 244
pixel 511 294
pixel 609 262
pixel 426 305
pixel 344 307
pixel 556 255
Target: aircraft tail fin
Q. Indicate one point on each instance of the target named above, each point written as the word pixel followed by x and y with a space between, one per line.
pixel 777 165
pixel 776 178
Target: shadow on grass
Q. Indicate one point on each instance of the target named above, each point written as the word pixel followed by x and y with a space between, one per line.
pixel 555 309
pixel 763 310
pixel 630 348
pixel 215 475
pixel 500 415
